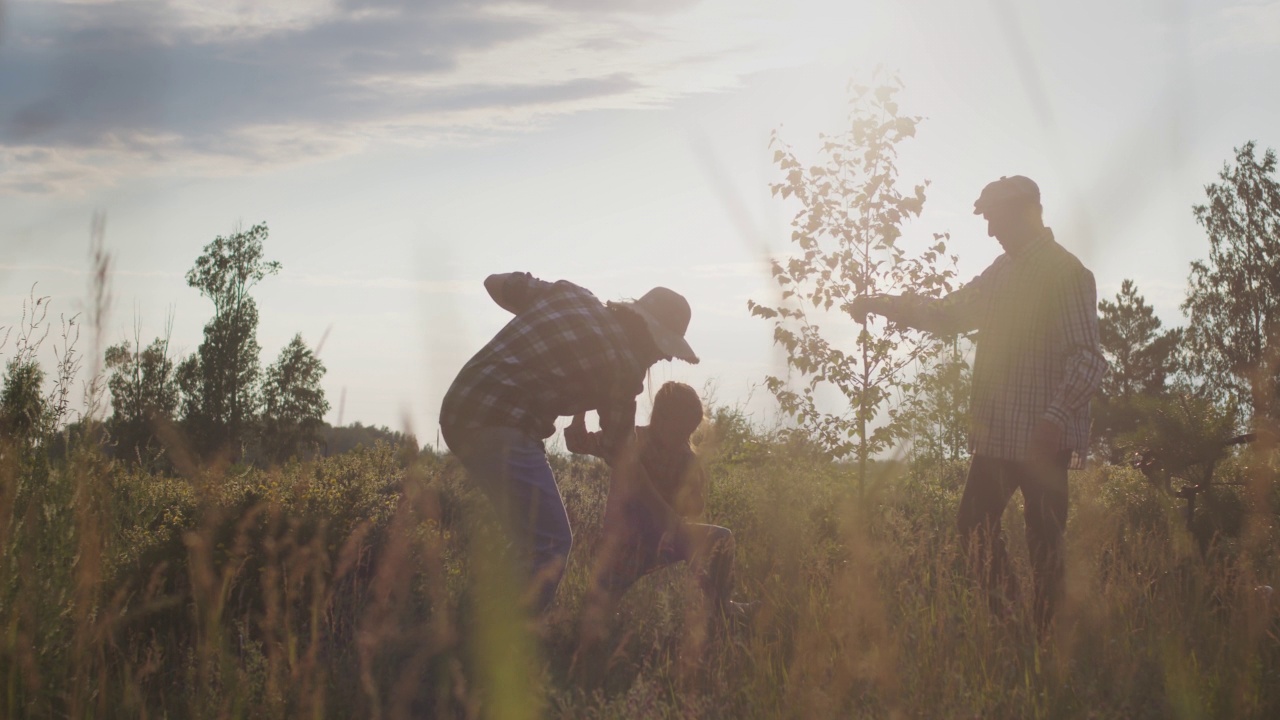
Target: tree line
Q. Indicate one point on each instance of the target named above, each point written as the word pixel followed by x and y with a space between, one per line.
pixel 217 402
pixel 1184 391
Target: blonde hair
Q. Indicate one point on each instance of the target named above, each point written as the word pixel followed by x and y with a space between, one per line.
pixel 678 407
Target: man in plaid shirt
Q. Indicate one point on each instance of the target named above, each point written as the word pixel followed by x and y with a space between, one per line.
pixel 563 353
pixel 1036 366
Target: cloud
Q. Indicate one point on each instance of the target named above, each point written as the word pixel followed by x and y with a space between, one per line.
pixel 100 90
pixel 75 74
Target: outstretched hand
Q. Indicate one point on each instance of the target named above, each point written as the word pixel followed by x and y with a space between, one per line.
pixel 860 308
pixel 865 305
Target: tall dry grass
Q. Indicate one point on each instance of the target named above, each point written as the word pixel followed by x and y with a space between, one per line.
pixel 359 586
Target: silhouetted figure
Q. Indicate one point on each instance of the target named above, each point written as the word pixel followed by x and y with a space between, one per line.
pixel 643 531
pixel 1036 366
pixel 563 353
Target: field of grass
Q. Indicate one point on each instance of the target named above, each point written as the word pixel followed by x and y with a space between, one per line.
pixel 371 585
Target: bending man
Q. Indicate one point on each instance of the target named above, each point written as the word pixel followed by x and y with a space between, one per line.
pixel 563 353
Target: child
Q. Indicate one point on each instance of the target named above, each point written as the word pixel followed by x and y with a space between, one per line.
pixel 648 522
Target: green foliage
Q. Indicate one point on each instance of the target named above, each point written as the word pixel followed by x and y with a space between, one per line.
pixel 848 232
pixel 349 587
pixel 1182 436
pixel 1137 511
pixel 196 598
pixel 1141 357
pixel 1141 360
pixel 229 267
pixel 24 412
pixel 293 402
pixel 345 438
pixel 369 584
pixel 727 437
pixel 30 412
pixel 936 415
pixel 1233 302
pixel 219 383
pixel 144 395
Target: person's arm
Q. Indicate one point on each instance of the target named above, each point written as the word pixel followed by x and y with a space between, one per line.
pixel 632 480
pixel 618 416
pixel 578 440
pixel 1077 325
pixel 623 457
pixel 617 443
pixel 617 429
pixel 514 291
pixel 957 312
pixel 694 492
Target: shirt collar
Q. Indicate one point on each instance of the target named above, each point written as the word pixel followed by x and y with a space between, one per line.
pixel 1042 240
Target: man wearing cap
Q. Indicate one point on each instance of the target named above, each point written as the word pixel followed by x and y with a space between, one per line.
pixel 563 353
pixel 1036 366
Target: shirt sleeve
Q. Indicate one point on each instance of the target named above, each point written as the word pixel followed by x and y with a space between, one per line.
pixel 959 311
pixel 1085 365
pixel 521 290
pixel 617 422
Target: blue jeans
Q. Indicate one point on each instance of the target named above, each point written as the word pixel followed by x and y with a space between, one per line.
pixel 510 467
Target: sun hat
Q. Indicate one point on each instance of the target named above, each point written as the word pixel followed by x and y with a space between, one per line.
pixel 666 313
pixel 1011 188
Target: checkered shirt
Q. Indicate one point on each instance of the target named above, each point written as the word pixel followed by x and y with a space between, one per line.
pixel 563 353
pixel 1037 348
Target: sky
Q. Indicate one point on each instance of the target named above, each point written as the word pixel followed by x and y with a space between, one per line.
pixel 402 151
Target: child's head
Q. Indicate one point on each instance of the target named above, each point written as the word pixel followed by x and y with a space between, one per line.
pixel 677 412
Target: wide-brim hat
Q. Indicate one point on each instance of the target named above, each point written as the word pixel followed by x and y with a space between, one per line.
pixel 1013 189
pixel 666 313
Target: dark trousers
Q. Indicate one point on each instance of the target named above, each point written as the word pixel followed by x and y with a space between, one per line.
pixel 634 552
pixel 987 491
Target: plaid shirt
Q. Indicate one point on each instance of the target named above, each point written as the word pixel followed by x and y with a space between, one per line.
pixel 1037 347
pixel 563 353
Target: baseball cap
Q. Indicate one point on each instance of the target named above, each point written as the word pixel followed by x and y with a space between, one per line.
pixel 1012 188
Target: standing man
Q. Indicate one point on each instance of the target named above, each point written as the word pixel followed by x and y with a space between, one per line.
pixel 563 353
pixel 1037 364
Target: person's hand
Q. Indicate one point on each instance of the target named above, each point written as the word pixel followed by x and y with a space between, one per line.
pixel 865 305
pixel 576 438
pixel 1046 440
pixel 859 309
